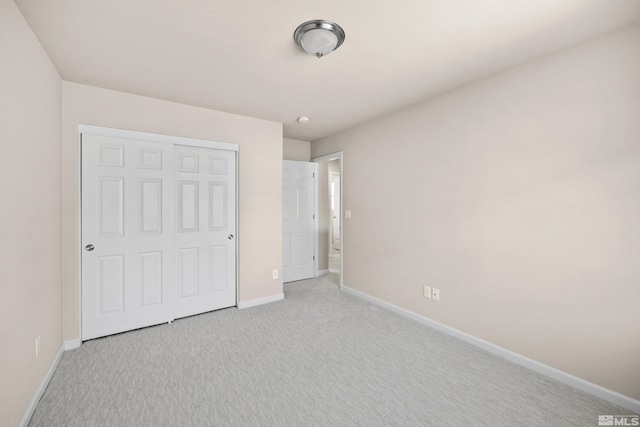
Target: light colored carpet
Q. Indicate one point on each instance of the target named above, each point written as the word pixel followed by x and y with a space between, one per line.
pixel 320 357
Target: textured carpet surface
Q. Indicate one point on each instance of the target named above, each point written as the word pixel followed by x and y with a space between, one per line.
pixel 319 357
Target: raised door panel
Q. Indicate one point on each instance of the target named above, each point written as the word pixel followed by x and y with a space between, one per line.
pixel 188 206
pixel 188 272
pixel 188 162
pixel 111 206
pixel 150 158
pixel 150 209
pixel 110 284
pixel 218 269
pixel 218 164
pixel 302 243
pixel 218 206
pixel 111 154
pixel 302 202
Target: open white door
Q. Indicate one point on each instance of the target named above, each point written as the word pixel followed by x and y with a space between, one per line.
pixel 299 233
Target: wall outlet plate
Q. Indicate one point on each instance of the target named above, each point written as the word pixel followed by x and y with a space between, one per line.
pixel 435 293
pixel 275 274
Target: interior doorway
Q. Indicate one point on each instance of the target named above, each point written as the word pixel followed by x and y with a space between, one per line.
pixel 330 219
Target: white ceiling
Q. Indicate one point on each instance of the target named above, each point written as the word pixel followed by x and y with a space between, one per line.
pixel 239 56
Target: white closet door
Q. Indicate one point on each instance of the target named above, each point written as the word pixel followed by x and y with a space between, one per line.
pixel 158 233
pixel 127 236
pixel 298 207
pixel 205 229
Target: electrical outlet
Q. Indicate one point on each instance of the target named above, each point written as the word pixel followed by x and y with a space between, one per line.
pixel 427 292
pixel 436 294
pixel 275 274
pixel 347 214
pixel 37 347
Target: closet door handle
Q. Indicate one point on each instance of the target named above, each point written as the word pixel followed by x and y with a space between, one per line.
pixel 89 248
pixel 230 236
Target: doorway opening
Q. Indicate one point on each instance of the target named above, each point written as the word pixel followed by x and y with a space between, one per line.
pixel 330 219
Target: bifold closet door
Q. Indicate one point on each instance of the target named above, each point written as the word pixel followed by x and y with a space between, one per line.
pixel 155 237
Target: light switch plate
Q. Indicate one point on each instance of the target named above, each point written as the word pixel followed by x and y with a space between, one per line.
pixel 427 292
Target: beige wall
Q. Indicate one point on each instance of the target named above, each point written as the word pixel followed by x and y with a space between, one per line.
pixel 260 179
pixel 295 149
pixel 30 293
pixel 518 197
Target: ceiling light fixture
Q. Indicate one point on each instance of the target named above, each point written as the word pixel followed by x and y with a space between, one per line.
pixel 303 120
pixel 319 37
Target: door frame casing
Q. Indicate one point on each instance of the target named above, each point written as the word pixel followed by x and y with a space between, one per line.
pixel 338 155
pixel 149 137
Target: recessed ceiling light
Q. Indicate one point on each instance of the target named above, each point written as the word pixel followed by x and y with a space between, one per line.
pixel 303 120
pixel 319 37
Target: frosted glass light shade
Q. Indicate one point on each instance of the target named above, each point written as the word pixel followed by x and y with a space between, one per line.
pixel 319 37
pixel 319 42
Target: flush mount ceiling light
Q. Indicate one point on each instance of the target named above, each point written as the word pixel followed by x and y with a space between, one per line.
pixel 319 37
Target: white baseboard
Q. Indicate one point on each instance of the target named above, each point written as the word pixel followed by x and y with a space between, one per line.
pixel 72 344
pixel 40 391
pixel 260 301
pixel 322 272
pixel 556 374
